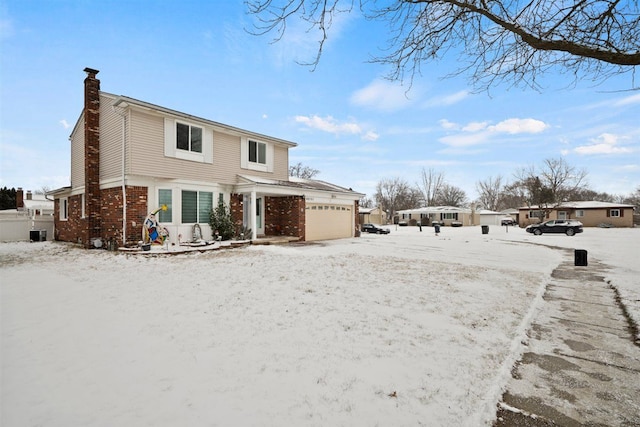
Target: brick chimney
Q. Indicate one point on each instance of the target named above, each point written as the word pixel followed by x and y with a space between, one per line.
pixel 92 155
pixel 19 198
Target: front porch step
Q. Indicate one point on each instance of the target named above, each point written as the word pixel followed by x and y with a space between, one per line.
pixel 274 240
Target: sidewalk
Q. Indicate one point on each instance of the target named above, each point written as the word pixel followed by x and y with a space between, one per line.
pixel 581 366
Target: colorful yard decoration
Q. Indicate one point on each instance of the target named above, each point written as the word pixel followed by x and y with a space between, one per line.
pixel 152 231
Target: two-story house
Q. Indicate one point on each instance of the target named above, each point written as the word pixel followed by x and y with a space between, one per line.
pixel 129 157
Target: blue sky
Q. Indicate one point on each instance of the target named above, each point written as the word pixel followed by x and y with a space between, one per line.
pixel 349 122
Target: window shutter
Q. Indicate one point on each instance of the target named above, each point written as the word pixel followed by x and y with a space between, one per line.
pixel 169 138
pixel 621 212
pixel 608 213
pixel 244 153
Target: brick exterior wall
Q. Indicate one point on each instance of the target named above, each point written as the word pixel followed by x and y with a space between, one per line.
pixel 74 229
pixel 236 209
pixel 92 155
pixel 112 213
pixel 285 216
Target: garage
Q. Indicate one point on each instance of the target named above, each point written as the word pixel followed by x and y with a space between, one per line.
pixel 327 221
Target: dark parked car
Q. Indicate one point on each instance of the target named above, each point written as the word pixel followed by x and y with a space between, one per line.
pixel 371 228
pixel 567 226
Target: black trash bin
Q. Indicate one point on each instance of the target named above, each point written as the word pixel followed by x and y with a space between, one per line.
pixel 580 256
pixel 437 228
pixel 485 229
pixel 34 235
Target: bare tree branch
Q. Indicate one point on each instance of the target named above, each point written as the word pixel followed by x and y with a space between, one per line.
pixel 497 40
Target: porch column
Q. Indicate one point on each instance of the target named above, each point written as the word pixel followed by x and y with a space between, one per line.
pixel 252 216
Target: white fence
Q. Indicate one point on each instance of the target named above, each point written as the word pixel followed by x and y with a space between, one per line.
pixel 18 228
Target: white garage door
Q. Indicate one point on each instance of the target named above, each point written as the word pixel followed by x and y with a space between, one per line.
pixel 324 222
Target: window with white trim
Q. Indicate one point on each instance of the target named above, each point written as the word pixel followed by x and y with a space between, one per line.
pixel 579 213
pixel 614 213
pixel 188 137
pixel 188 141
pixel 196 206
pixel 165 198
pixel 64 209
pixel 449 215
pixel 256 155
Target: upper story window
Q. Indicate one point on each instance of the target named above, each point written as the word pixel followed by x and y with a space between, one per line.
pixel 256 155
pixel 188 137
pixel 188 141
pixel 257 152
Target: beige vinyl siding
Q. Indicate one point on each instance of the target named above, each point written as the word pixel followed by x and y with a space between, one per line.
pixel 147 156
pixel 77 154
pixel 110 141
pixel 280 163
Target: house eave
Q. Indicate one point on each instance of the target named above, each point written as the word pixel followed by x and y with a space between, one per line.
pixel 125 101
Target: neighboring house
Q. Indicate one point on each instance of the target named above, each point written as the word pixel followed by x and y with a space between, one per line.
pixel 589 213
pixel 488 217
pixel 443 214
pixel 372 216
pixel 33 212
pixel 130 157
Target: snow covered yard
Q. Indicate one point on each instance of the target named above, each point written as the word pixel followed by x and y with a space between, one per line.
pixel 404 329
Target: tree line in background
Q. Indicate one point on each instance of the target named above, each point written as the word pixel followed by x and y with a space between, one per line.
pixel 545 186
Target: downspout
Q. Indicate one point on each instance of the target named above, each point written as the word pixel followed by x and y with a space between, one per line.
pixel 122 112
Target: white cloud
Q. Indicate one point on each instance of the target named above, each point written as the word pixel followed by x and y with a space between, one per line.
pixel 516 126
pixel 331 125
pixel 381 95
pixel 629 100
pixel 475 133
pixel 465 139
pixel 475 126
pixel 446 124
pixel 446 100
pixel 370 136
pixel 606 143
pixel 65 124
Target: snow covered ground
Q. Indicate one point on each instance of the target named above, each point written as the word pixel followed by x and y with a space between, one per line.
pixel 403 329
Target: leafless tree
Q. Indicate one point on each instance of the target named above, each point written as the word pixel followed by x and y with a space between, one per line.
pixel 394 194
pixel 497 40
pixel 634 199
pixel 301 171
pixel 430 185
pixel 563 180
pixel 365 202
pixel 554 183
pixel 490 192
pixel 450 195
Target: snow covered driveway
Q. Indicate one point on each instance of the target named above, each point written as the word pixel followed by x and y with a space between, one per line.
pixel 403 329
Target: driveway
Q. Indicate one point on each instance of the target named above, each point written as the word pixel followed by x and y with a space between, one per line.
pixel 581 366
